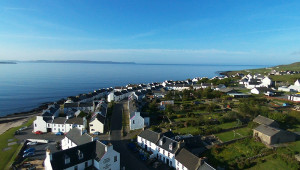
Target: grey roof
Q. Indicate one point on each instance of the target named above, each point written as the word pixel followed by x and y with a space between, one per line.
pixel 187 159
pixel 100 150
pixel 88 151
pixel 166 142
pixel 263 120
pixel 99 117
pixel 76 136
pixel 264 89
pixel 59 120
pixel 206 166
pixel 68 105
pixel 47 119
pixel 267 130
pixel 89 104
pixel 75 120
pixel 150 135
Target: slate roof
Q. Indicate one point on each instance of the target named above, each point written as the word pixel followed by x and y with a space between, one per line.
pixel 58 158
pixel 150 135
pixel 100 150
pixel 267 130
pixel 166 143
pixel 75 120
pixel 59 120
pixel 264 89
pixel 206 166
pixel 263 120
pixel 187 159
pixel 89 104
pixel 47 119
pixel 68 105
pixel 99 117
pixel 76 136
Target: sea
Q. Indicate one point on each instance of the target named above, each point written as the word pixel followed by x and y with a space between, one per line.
pixel 25 86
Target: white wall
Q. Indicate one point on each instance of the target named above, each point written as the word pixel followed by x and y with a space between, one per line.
pixel 96 126
pixel 136 122
pixel 39 124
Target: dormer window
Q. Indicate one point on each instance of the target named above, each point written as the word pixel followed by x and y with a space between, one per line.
pixel 170 146
pixel 80 154
pixel 67 159
pixel 160 142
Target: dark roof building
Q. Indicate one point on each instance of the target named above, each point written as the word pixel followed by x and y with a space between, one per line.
pixel 150 135
pixel 76 136
pixel 265 121
pixel 187 159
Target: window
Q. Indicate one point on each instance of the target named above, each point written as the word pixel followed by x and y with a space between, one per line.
pixel 48 124
pixel 35 125
pixel 92 129
pixel 54 128
pixel 80 154
pixel 67 159
pixel 132 121
pixel 86 164
pixel 91 124
pixel 76 167
pixel 115 159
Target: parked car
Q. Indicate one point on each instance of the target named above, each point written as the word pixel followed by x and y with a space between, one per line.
pixel 32 143
pixel 132 147
pixel 28 154
pixel 59 133
pixel 38 132
pixel 29 150
pixel 96 133
pixel 17 132
pixel 22 128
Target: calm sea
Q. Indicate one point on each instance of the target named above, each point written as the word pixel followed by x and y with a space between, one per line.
pixel 25 86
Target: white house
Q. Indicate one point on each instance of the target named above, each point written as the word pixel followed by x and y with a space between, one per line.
pixel 136 121
pixel 295 98
pixel 266 82
pixel 94 155
pixel 65 124
pixel 40 124
pixel 262 90
pixel 97 123
pixel 169 151
pixel 74 138
pixel 296 86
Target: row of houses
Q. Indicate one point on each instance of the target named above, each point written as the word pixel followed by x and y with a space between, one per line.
pixel 81 151
pixel 255 81
pixel 170 151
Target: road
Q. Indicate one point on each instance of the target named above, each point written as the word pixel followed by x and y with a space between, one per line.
pixel 129 160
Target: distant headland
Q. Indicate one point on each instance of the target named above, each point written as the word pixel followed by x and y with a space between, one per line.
pixel 5 62
pixel 78 61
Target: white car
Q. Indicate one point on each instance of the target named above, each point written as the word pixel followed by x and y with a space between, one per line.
pixel 32 143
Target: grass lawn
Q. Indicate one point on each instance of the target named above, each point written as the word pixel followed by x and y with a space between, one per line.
pixel 230 135
pixel 188 130
pixel 295 146
pixel 7 157
pixel 270 163
pixel 224 155
pixel 184 119
pixel 227 125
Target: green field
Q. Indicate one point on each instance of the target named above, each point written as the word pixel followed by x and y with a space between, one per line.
pixel 7 157
pixel 188 130
pixel 230 135
pixel 295 146
pixel 271 163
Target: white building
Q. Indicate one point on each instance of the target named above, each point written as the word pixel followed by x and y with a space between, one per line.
pixel 97 123
pixel 94 155
pixel 75 137
pixel 136 120
pixel 169 151
pixel 295 98
pixel 296 86
pixel 40 124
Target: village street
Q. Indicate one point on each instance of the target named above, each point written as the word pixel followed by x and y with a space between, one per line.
pixel 128 159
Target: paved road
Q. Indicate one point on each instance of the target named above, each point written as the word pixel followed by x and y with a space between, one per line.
pixel 129 160
pixel 116 123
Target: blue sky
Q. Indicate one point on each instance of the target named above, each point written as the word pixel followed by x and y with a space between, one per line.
pixel 150 31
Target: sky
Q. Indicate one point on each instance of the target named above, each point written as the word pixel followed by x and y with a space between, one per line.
pixel 151 31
